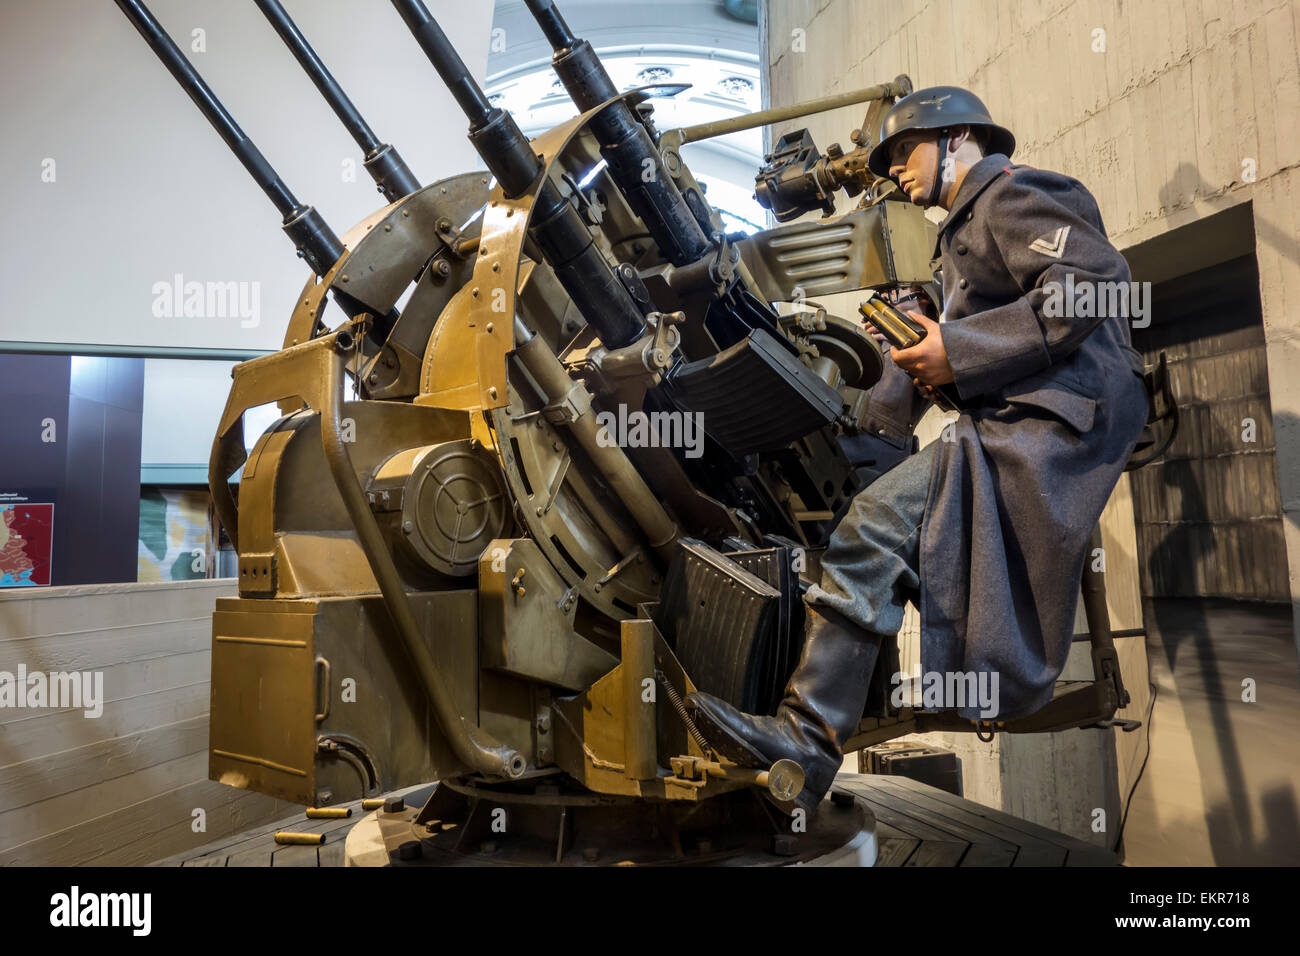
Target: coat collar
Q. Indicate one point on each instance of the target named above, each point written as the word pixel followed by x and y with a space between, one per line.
pixel 976 181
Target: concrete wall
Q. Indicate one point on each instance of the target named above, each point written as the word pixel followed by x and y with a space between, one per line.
pixel 121 788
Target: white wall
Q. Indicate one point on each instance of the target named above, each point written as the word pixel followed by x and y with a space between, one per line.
pixel 145 189
pixel 183 402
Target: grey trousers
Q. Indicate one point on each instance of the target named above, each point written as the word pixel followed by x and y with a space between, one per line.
pixel 871 566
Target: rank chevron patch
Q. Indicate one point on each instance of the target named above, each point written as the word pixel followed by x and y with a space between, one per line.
pixel 1053 246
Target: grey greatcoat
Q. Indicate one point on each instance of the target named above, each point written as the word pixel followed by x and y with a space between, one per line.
pixel 1053 405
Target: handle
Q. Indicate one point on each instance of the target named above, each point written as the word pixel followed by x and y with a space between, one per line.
pixel 322 664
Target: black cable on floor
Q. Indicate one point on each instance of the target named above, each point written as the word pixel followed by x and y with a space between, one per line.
pixel 1151 712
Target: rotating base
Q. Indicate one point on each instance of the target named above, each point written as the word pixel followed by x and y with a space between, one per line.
pixel 546 823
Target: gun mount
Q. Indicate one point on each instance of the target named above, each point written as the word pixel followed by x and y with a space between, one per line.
pixel 465 575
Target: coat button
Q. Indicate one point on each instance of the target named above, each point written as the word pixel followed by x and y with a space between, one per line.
pixel 961 249
pixel 962 284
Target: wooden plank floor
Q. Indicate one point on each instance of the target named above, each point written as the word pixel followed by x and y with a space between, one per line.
pixel 916 825
pixel 920 825
pixel 257 847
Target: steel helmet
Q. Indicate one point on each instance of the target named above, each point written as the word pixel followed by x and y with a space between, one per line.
pixel 936 107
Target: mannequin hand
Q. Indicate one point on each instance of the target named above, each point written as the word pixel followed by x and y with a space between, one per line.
pixel 927 361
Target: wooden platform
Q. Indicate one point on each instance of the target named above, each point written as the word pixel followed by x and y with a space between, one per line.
pixel 916 825
pixel 257 847
pixel 919 825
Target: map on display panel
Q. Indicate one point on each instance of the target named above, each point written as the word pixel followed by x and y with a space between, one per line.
pixel 26 543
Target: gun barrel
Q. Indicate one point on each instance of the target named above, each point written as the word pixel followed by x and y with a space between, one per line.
pixel 779 114
pixel 314 239
pixel 446 61
pixel 382 161
pixel 561 234
pixel 630 152
pixel 492 131
pixel 557 32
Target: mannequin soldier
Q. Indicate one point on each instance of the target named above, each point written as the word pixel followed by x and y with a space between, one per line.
pixel 999 511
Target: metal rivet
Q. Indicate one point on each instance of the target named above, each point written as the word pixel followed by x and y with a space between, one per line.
pixel 492 391
pixel 489 328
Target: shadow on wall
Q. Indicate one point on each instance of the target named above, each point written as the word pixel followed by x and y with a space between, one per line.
pixel 1218 655
pixel 1209 653
pixel 1175 195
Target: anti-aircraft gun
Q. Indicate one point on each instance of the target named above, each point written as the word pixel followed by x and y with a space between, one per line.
pixel 464 575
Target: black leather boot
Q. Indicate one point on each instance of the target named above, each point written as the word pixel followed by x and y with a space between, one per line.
pixel 823 704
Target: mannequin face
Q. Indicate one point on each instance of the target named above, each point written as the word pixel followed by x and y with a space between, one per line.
pixel 914 162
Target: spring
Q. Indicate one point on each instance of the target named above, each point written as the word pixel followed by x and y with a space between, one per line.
pixel 679 706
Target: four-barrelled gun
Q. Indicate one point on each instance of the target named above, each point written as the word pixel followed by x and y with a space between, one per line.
pixel 478 543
